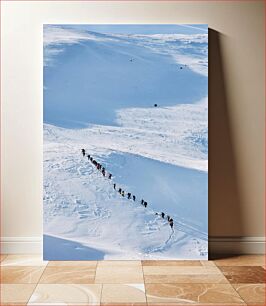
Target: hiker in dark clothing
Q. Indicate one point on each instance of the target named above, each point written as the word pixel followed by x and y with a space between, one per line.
pixel 88 157
pixel 91 159
pixel 142 202
pixel 110 176
pixel 123 193
pixel 171 223
pixel 145 204
pixel 163 214
pixel 83 152
pixel 134 198
pixel 168 218
pixel 120 190
pixel 114 186
pixel 129 195
pixel 103 172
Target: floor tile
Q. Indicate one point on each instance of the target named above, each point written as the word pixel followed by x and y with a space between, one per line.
pixel 16 293
pixel 2 257
pixel 23 260
pixel 242 274
pixel 83 263
pixel 243 260
pixel 119 272
pixel 171 263
pixel 196 274
pixel 21 275
pixel 66 294
pixel 192 293
pixel 68 275
pixel 208 263
pixel 251 293
pixel 123 293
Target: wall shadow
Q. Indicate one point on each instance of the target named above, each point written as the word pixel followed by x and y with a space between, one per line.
pixel 225 218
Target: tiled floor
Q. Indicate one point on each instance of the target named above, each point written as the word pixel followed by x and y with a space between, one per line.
pixel 27 280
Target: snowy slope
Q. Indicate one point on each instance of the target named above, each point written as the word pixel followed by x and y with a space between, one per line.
pixel 90 80
pixel 99 92
pixel 88 209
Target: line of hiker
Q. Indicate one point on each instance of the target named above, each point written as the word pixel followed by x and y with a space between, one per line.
pixel 169 219
pixel 96 164
pixel 128 195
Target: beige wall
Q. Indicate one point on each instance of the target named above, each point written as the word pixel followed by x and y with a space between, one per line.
pixel 236 104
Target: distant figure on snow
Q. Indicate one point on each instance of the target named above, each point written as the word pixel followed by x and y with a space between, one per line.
pixel 134 198
pixel 91 159
pixel 145 204
pixel 120 190
pixel 123 193
pixel 83 152
pixel 142 202
pixel 88 157
pixel 110 176
pixel 131 59
pixel 114 186
pixel 163 214
pixel 171 223
pixel 129 195
pixel 155 105
pixel 168 218
pixel 103 172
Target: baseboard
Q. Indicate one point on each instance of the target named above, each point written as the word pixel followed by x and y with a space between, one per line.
pixel 236 245
pixel 217 245
pixel 21 245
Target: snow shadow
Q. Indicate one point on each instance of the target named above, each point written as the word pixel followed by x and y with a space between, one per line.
pixel 178 191
pixel 62 249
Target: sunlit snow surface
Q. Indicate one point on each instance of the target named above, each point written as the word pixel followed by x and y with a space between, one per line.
pixel 99 94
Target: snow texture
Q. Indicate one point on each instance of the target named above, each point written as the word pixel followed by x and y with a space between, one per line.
pixel 100 91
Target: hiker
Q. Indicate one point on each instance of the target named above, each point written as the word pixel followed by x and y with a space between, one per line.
pixel 88 156
pixel 129 195
pixel 155 105
pixel 91 159
pixel 142 202
pixel 134 198
pixel 145 204
pixel 103 172
pixel 171 223
pixel 114 186
pixel 168 218
pixel 83 152
pixel 110 176
pixel 123 193
pixel 120 190
pixel 163 214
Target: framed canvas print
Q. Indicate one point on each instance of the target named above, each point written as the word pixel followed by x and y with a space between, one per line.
pixel 125 142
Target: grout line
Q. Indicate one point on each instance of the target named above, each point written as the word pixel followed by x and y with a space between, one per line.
pixel 144 282
pixel 36 284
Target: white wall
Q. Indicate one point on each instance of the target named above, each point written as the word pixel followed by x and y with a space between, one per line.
pixel 236 121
